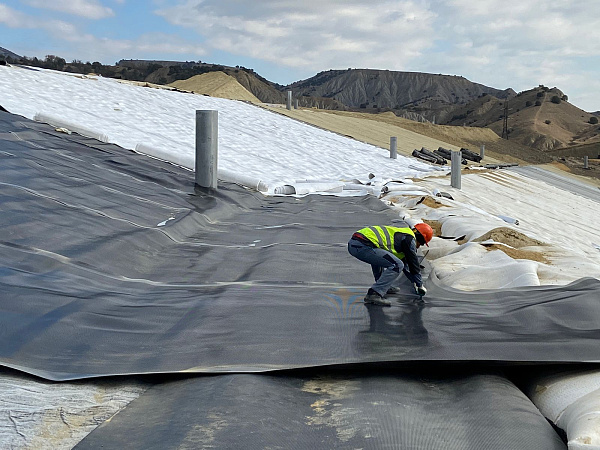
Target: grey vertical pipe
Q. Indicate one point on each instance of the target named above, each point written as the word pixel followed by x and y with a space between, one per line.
pixel 482 151
pixel 455 160
pixel 295 103
pixel 207 148
pixel 289 100
pixel 393 147
pixel 586 162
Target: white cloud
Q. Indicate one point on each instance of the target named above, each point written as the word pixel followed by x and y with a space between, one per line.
pixel 312 34
pixel 150 46
pixel 519 44
pixel 15 19
pixel 500 43
pixel 90 9
pixel 88 47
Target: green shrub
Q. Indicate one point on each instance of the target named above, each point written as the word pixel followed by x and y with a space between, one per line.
pixel 555 99
pixel 593 120
pixel 538 103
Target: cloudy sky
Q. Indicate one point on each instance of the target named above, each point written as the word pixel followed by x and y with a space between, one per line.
pixel 498 43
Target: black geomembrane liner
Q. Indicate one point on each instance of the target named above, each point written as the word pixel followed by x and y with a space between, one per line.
pixel 112 263
pixel 328 410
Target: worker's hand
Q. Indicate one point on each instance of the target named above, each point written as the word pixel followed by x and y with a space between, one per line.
pixel 420 290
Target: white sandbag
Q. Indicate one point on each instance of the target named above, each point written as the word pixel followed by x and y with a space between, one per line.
pixel 63 124
pixel 553 394
pixel 581 422
pixel 183 160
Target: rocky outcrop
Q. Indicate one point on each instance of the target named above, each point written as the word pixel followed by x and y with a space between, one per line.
pixel 368 89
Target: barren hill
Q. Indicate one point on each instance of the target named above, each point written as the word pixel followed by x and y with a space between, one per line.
pixel 423 93
pixel 270 93
pixel 216 84
pixel 541 118
pixel 4 53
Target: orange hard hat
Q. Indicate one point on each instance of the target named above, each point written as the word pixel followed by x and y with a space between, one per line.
pixel 426 231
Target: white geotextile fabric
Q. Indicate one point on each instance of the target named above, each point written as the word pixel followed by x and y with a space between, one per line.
pixel 46 415
pixel 500 270
pixel 581 422
pixel 570 400
pixel 252 141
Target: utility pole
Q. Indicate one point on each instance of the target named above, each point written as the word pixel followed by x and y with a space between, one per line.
pixel 505 122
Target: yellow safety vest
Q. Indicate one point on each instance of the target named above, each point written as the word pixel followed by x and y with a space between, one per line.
pixel 383 237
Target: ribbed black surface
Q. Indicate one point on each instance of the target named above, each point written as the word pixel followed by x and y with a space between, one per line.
pixel 322 411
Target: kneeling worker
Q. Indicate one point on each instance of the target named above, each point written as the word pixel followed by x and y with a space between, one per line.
pixel 390 250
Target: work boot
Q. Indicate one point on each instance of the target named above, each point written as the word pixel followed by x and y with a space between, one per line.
pixel 394 291
pixel 374 298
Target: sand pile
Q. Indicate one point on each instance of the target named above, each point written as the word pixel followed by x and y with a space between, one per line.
pixel 516 241
pixel 510 237
pixel 216 84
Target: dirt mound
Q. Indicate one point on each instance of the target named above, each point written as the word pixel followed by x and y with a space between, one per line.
pixel 510 237
pixel 515 253
pixel 216 84
pixel 433 203
pixel 516 240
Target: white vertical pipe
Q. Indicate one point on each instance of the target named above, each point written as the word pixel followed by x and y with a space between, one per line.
pixel 207 148
pixel 455 160
pixel 482 151
pixel 289 100
pixel 586 162
pixel 393 147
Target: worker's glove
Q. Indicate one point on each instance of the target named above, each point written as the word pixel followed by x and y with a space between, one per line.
pixel 420 290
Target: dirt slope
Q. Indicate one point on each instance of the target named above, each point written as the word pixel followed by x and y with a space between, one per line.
pixel 216 84
pixel 377 129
